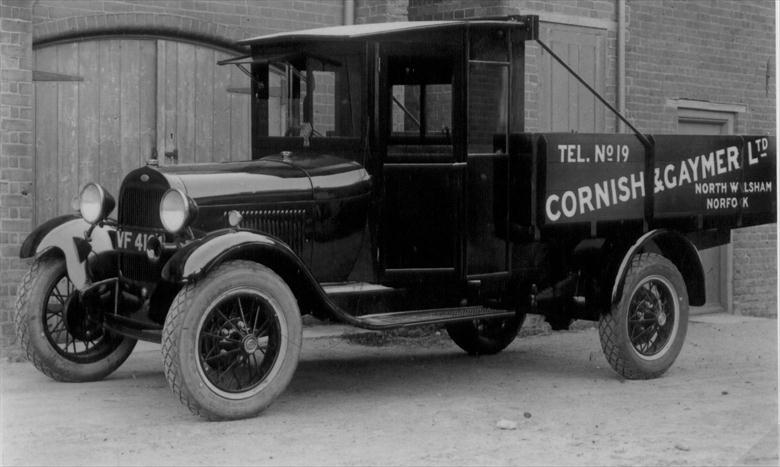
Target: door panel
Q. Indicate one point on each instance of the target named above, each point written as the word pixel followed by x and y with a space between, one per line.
pixel 118 100
pixel 564 104
pixel 422 176
pixel 94 127
pixel 203 108
pixel 421 216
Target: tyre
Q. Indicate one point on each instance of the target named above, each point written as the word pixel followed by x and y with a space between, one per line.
pixel 57 333
pixel 485 337
pixel 644 332
pixel 231 341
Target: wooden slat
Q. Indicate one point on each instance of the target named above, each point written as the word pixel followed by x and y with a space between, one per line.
pixel 221 150
pixel 185 103
pixel 89 112
pixel 110 130
pixel 560 101
pixel 67 128
pixel 239 117
pixel 129 105
pixel 161 75
pixel 587 106
pixel 167 79
pixel 572 56
pixel 600 67
pixel 204 103
pixel 147 80
pixel 46 156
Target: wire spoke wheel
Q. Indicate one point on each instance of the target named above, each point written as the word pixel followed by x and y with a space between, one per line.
pixel 652 316
pixel 60 336
pixel 239 342
pixel 68 327
pixel 643 333
pixel 231 341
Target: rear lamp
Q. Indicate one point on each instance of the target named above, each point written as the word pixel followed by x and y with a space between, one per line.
pixel 177 210
pixel 95 203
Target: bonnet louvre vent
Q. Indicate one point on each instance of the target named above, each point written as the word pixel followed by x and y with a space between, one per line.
pixel 288 225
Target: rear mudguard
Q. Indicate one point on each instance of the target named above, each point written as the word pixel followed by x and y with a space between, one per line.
pixel 202 256
pixel 68 235
pixel 679 250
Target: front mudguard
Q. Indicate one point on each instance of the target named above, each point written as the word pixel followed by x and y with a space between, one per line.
pixel 196 259
pixel 68 235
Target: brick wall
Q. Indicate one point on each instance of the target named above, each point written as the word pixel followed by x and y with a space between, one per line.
pixel 755 270
pixel 710 50
pixel 16 150
pixel 381 11
pixel 720 51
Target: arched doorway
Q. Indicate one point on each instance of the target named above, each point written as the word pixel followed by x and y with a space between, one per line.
pixel 104 106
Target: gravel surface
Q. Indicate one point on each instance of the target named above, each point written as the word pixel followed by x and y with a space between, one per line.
pixel 549 399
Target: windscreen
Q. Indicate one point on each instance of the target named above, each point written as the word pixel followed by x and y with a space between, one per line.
pixel 309 96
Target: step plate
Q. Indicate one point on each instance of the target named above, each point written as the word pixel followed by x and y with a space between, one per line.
pixel 422 317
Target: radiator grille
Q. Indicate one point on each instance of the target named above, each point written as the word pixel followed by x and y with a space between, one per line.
pixel 139 210
pixel 140 207
pixel 288 225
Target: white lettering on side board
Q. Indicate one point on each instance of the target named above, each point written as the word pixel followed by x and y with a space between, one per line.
pixel 698 170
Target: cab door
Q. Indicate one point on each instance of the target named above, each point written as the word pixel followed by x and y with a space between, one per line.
pixel 423 164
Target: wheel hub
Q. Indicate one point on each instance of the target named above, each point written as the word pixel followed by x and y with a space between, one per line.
pixel 661 318
pixel 249 344
pixel 76 321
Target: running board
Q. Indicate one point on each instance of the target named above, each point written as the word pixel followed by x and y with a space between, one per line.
pixel 354 288
pixel 422 317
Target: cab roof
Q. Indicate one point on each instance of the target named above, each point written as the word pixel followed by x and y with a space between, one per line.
pixel 364 31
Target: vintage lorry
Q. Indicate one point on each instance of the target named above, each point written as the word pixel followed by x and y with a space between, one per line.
pixel 392 184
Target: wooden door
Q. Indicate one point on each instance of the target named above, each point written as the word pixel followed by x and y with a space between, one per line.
pixel 203 108
pixel 103 107
pixel 94 117
pixel 564 104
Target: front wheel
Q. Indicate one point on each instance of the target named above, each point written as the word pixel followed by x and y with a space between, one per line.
pixel 485 337
pixel 644 332
pixel 58 333
pixel 231 342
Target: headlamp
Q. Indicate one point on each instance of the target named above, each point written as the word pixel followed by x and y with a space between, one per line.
pixel 176 210
pixel 95 203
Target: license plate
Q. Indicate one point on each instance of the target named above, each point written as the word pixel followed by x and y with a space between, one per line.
pixel 136 241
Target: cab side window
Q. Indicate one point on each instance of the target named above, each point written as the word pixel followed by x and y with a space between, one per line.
pixel 421 100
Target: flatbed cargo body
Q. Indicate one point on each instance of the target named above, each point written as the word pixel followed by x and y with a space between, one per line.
pixel 696 182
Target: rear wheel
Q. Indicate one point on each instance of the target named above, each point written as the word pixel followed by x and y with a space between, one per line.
pixel 644 333
pixel 231 342
pixel 58 334
pixel 485 336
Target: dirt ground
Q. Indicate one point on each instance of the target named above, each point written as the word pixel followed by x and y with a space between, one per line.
pixel 424 402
